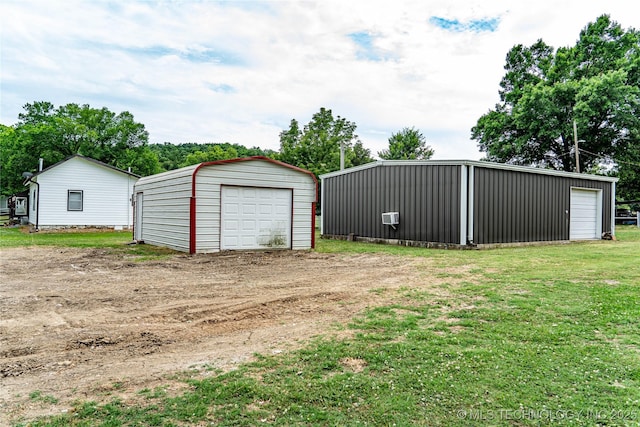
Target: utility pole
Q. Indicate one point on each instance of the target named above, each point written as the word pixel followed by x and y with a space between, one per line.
pixel 575 139
pixel 341 155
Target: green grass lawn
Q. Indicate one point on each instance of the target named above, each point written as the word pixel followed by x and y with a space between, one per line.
pixel 529 336
pixel 115 241
pixel 11 237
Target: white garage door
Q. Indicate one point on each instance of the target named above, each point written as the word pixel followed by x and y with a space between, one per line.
pixel 255 218
pixel 585 215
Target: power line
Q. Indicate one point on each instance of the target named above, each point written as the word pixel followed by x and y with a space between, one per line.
pixel 615 160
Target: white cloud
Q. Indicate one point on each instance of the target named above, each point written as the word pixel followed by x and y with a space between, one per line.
pixel 207 71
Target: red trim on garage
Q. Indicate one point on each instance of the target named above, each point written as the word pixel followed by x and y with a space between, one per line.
pixel 291 216
pixel 192 207
pixel 313 224
pixel 192 224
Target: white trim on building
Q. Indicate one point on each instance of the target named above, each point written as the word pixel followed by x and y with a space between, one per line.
pixel 585 214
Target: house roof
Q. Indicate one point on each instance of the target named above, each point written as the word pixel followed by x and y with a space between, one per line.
pixel 476 163
pixel 89 159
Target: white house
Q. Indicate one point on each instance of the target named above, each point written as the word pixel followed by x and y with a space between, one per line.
pixel 238 204
pixel 81 192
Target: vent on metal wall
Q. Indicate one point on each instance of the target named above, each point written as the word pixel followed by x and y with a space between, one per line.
pixel 391 218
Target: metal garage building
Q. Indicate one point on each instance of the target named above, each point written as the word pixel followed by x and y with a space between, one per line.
pixel 238 204
pixel 464 204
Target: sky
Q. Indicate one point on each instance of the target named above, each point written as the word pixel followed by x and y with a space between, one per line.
pixel 240 71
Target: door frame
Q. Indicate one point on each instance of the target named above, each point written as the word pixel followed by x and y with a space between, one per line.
pixel 291 217
pixel 599 206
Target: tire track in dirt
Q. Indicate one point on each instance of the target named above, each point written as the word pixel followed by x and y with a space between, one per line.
pixel 78 320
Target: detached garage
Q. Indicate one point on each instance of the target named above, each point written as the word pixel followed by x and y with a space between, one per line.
pixel 239 204
pixel 465 204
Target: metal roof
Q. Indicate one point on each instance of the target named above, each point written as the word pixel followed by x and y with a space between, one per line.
pixel 477 163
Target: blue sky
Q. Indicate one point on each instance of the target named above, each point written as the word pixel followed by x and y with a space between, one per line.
pixel 239 71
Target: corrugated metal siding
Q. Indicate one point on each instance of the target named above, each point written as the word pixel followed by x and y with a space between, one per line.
pixel 251 174
pixel 165 211
pixel 106 195
pixel 426 196
pixel 511 206
pixel 166 208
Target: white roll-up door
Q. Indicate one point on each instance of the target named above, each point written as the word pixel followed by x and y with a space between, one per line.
pixel 255 218
pixel 585 215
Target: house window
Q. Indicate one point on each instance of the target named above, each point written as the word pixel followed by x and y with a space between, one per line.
pixel 74 200
pixel 33 200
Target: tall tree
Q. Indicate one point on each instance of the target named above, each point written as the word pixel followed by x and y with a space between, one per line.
pixel 15 152
pixel 408 144
pixel 316 147
pixel 595 83
pixel 44 131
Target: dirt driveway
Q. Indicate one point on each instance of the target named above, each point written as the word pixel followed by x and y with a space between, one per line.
pixel 88 324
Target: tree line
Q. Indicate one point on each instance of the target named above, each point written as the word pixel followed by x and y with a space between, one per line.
pixel 55 133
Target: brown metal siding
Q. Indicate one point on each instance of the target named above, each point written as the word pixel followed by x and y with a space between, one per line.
pixel 511 206
pixel 426 196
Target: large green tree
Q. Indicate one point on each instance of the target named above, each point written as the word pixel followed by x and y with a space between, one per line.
pixel 408 144
pixel 595 83
pixel 316 147
pixel 44 131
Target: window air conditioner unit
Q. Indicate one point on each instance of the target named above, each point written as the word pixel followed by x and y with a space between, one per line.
pixel 391 218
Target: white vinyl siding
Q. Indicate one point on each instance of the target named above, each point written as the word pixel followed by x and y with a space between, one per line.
pixel 585 214
pixel 105 195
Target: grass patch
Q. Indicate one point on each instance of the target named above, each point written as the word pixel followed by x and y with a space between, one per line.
pixel 543 335
pixel 37 396
pixel 628 233
pixel 115 241
pixel 14 237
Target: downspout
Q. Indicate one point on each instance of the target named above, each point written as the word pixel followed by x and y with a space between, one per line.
pixel 37 203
